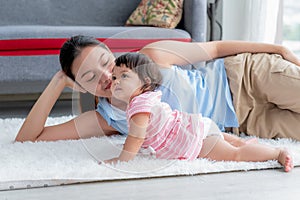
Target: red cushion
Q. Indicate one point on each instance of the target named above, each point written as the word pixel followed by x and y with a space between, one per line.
pixel 51 46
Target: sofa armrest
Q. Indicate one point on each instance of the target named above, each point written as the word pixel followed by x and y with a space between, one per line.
pixel 195 19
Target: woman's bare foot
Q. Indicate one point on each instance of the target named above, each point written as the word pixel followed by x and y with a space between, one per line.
pixel 286 160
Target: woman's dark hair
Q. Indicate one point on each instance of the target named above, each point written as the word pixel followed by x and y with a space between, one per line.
pixel 146 69
pixel 72 48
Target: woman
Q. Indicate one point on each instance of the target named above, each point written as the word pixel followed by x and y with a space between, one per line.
pixel 264 88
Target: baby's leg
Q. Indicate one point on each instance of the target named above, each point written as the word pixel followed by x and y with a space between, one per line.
pixel 237 141
pixel 218 149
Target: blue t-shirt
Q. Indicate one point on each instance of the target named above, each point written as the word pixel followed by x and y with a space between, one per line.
pixel 203 90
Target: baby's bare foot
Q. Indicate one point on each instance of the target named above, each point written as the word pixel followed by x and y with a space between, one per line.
pixel 286 160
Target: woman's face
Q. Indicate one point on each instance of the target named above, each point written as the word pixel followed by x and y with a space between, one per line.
pixel 92 69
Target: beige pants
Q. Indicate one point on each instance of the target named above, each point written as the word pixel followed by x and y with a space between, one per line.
pixel 266 94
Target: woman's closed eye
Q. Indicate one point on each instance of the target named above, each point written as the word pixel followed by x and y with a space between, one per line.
pixel 104 59
pixel 89 76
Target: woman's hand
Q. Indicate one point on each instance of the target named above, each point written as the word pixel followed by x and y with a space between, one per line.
pixel 34 125
pixel 61 76
pixel 290 56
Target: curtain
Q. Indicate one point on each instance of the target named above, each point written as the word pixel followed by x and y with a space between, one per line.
pixel 252 20
pixel 261 18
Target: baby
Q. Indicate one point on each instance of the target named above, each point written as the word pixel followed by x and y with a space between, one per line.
pixel 170 133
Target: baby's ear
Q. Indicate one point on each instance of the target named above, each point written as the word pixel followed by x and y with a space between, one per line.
pixel 147 80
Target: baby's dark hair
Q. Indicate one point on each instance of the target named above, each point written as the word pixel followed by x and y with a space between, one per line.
pixel 72 48
pixel 146 69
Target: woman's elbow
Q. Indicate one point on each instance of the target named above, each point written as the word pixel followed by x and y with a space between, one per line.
pixel 21 139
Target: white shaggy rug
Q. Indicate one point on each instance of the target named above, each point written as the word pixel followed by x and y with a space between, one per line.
pixel 40 164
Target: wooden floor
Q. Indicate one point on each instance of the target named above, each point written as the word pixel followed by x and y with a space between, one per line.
pixel 261 184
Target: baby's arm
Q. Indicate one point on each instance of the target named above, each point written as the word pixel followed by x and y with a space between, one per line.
pixel 137 132
pixel 131 147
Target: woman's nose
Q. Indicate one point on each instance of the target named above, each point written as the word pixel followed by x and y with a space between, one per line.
pixel 105 75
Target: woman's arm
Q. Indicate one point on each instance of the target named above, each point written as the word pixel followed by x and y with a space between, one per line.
pixel 135 138
pixel 169 52
pixel 33 125
pixel 34 129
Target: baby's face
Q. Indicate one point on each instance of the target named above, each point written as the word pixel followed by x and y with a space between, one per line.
pixel 125 83
pixel 92 70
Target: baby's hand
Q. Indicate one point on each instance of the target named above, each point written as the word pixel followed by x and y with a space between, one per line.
pixel 111 161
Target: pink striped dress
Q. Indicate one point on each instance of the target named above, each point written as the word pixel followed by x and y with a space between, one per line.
pixel 172 134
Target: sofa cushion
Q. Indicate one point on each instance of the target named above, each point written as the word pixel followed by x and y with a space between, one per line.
pixel 26 74
pixel 160 13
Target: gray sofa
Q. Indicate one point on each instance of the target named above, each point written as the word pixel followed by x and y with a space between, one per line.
pixel 32 31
